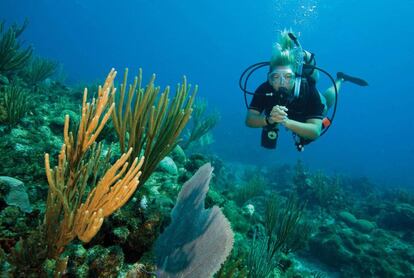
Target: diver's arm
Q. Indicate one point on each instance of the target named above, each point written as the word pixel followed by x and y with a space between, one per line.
pixel 255 119
pixel 309 130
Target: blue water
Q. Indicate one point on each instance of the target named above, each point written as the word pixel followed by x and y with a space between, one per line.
pixel 212 42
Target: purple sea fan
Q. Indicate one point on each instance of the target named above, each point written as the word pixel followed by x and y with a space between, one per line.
pixel 198 240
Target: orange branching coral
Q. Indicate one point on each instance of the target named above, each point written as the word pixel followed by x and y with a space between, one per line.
pixel 79 163
pixel 107 197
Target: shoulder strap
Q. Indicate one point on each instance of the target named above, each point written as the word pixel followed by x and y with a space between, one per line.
pixel 311 61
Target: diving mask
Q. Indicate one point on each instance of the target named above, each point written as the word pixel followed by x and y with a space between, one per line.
pixel 282 77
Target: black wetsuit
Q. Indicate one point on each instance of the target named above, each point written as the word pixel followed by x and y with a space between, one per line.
pixel 307 106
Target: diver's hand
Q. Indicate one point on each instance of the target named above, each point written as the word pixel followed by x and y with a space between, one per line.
pixel 278 114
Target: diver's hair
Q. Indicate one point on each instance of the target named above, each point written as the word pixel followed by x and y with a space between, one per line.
pixel 282 54
pixel 284 40
pixel 281 58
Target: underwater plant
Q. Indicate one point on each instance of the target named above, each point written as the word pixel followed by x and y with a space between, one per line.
pixel 201 124
pixel 15 101
pixel 22 259
pixel 68 215
pixel 147 122
pixel 12 57
pixel 283 225
pixel 285 232
pixel 301 180
pixel 318 189
pixel 254 186
pixel 326 191
pixel 38 70
pixel 233 267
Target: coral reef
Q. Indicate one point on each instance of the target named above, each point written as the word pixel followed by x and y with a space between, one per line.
pixel 281 220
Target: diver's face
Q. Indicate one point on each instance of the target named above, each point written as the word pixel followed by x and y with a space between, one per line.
pixel 282 77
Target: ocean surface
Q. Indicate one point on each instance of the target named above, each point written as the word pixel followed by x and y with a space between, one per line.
pixel 212 42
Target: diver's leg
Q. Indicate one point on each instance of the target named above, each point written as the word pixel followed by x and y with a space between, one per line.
pixel 329 94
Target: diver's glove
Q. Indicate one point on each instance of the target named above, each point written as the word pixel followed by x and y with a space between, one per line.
pixel 352 79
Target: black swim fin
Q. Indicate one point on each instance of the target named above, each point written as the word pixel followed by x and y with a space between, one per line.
pixel 355 80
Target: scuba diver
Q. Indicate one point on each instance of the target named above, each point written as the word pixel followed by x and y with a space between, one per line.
pixel 289 97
